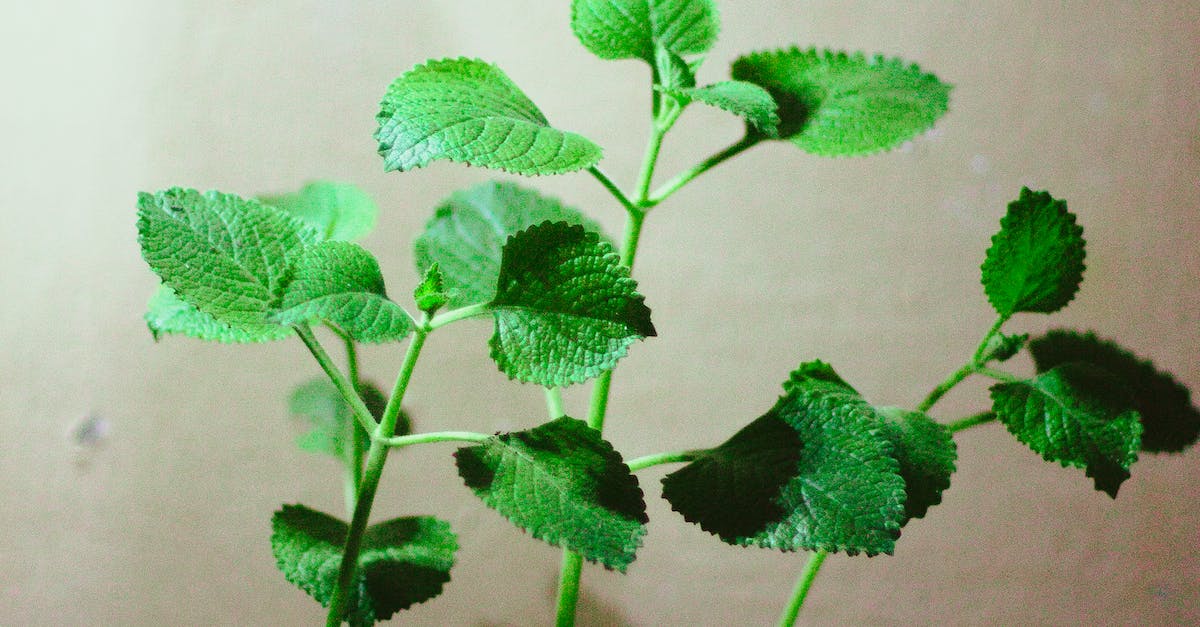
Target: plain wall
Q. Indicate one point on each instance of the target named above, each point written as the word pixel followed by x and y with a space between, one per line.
pixel 775 258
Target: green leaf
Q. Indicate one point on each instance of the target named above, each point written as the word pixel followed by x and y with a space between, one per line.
pixel 404 561
pixel 564 485
pixel 1170 422
pixel 740 98
pixel 565 308
pixel 1002 347
pixel 469 230
pixel 632 29
pixel 431 294
pixel 1078 415
pixel 816 472
pixel 340 283
pixel 226 256
pixel 926 453
pixel 673 71
pixel 1035 263
pixel 331 421
pixel 167 314
pixel 839 104
pixel 339 211
pixel 468 111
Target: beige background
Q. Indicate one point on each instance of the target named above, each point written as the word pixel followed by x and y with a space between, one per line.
pixel 776 258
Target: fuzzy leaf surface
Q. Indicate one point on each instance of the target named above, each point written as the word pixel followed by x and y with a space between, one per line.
pixel 339 211
pixel 468 231
pixel 331 421
pixel 1170 422
pixel 1078 415
pixel 468 111
pixel 816 472
pixel 564 485
pixel 632 29
pixel 167 314
pixel 565 309
pixel 226 256
pixel 926 453
pixel 340 283
pixel 839 104
pixel 403 561
pixel 1035 263
pixel 746 100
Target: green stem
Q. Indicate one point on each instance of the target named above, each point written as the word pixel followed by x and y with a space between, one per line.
pixel 649 162
pixel 961 424
pixel 998 375
pixel 945 386
pixel 612 188
pixel 674 185
pixel 376 458
pixel 570 572
pixel 979 355
pixel 454 315
pixel 554 403
pixel 343 385
pixel 674 457
pixel 436 436
pixel 788 618
pixel 354 443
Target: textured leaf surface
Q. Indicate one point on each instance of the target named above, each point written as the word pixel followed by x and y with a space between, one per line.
pixel 839 104
pixel 226 256
pixel 339 211
pixel 631 29
pixel 926 453
pixel 816 472
pixel 340 283
pixel 468 111
pixel 565 308
pixel 1004 347
pixel 331 421
pixel 1170 422
pixel 747 100
pixel 1078 415
pixel 404 561
pixel 1035 263
pixel 564 485
pixel 468 232
pixel 431 295
pixel 167 314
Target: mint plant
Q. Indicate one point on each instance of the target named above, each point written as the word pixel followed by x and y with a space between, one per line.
pixel 822 470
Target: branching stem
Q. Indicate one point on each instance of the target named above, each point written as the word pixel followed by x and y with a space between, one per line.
pixel 675 184
pixel 962 424
pixel 436 436
pixel 343 385
pixel 454 315
pixel 674 457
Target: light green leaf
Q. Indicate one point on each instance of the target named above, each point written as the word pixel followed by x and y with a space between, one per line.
pixel 226 256
pixel 839 104
pixel 167 314
pixel 339 211
pixel 673 71
pixel 469 230
pixel 564 485
pixel 468 111
pixel 816 472
pixel 926 453
pixel 331 421
pixel 631 29
pixel 740 98
pixel 340 283
pixel 403 561
pixel 1078 415
pixel 565 308
pixel 431 294
pixel 1035 263
pixel 1001 347
pixel 1170 422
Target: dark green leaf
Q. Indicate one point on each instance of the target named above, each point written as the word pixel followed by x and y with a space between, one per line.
pixel 227 257
pixel 926 453
pixel 1035 263
pixel 468 111
pixel 1004 347
pixel 565 308
pixel 167 314
pixel 564 485
pixel 632 29
pixel 1170 422
pixel 1078 415
pixel 816 472
pixel 839 104
pixel 339 211
pixel 340 283
pixel 469 230
pixel 404 561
